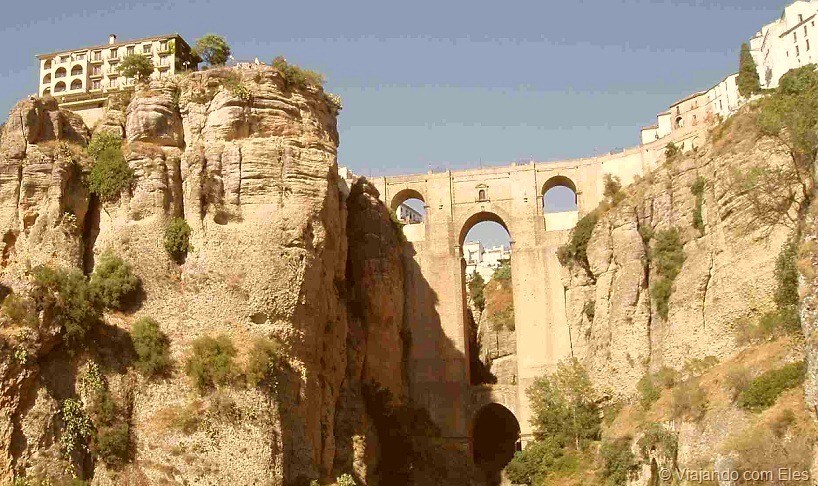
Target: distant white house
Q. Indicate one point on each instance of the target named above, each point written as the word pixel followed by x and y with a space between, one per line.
pixel 786 43
pixel 482 260
pixel 408 215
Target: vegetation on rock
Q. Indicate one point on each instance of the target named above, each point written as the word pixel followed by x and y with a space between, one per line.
pixel 697 189
pixel 152 347
pixel 575 251
pixel 650 386
pixel 213 49
pixel 748 82
pixel 177 239
pixel 612 189
pixel 67 297
pixel 137 66
pixel 667 255
pixel 763 391
pixel 112 281
pixel 619 464
pixel 297 77
pixel 211 362
pixel 110 174
pixel 263 361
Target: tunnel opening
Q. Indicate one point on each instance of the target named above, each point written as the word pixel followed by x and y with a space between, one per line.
pixel 488 300
pixel 495 439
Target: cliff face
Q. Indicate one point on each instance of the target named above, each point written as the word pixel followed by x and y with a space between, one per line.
pixel 726 279
pixel 250 164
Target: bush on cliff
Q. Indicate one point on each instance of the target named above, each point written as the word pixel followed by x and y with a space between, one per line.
pixel 211 362
pixel 475 286
pixel 152 347
pixel 137 66
pixel 297 77
pixel 112 281
pixel 763 391
pixel 619 464
pixel 177 239
pixel 263 361
pixel 213 49
pixel 66 296
pixel 667 256
pixel 575 251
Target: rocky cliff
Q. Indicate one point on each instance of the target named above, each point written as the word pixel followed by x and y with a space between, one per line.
pixel 279 248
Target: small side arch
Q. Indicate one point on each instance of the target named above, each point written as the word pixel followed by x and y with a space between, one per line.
pixel 76 84
pixel 404 195
pixel 495 435
pixel 558 180
pixel 59 87
pixel 76 70
pixel 60 73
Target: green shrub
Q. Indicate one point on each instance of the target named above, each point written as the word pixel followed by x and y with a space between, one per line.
pixel 503 319
pixel 770 324
pixel 66 296
pixel 137 66
pixel 667 256
pixel 618 462
pixel 539 462
pixel 186 419
pixel 112 281
pixel 152 347
pixel 697 366
pixel 689 401
pixel 697 189
pixel 475 286
pixel 19 310
pixel 658 438
pixel 758 449
pixel 563 406
pixel 672 150
pixel 763 391
pixel 213 49
pixel 103 142
pixel 503 272
pixel 576 250
pixel 295 76
pixel 346 480
pixel 77 427
pixel 113 443
pixel 177 239
pixel 736 380
pixel 748 82
pixel 211 362
pixel 110 175
pixel 650 386
pixel 263 360
pixel 786 277
pixel 612 189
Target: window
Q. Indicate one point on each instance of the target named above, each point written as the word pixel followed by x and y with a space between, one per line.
pixel 46 91
pixel 76 84
pixel 129 49
pixel 795 36
pixel 164 61
pixel 800 17
pixel 113 54
pixel 114 82
pixel 163 46
pixel 47 79
pixel 80 57
pixel 64 59
pixel 96 84
pixel 76 70
pixel 96 56
pixel 146 49
pixel 60 87
pixel 60 73
pixel 47 64
pixel 805 31
pixel 481 195
pixel 797 51
pixel 96 71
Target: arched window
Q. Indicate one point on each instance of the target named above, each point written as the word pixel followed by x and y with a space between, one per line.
pixel 60 87
pixel 76 70
pixel 47 64
pixel 481 195
pixel 46 91
pixel 47 79
pixel 680 122
pixel 76 84
pixel 60 73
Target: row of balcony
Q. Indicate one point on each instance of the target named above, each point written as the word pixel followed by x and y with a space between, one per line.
pixel 113 55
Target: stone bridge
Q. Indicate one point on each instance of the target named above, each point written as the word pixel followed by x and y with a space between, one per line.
pixel 436 304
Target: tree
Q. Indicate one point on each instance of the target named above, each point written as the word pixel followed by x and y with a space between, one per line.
pixel 748 83
pixel 213 49
pixel 137 66
pixel 476 285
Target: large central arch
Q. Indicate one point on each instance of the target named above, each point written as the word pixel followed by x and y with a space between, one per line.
pixel 495 439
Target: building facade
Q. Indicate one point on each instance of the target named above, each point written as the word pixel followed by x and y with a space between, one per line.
pixel 483 260
pixel 787 43
pixel 408 215
pixel 81 78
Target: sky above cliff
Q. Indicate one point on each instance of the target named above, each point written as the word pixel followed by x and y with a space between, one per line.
pixel 437 85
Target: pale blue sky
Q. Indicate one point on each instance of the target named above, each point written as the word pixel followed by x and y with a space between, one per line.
pixel 432 84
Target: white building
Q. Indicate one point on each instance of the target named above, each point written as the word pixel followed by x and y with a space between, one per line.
pixel 786 43
pixel 482 260
pixel 408 215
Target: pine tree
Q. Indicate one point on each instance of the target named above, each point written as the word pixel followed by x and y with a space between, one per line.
pixel 747 73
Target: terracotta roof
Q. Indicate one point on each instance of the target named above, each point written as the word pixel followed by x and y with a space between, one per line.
pixel 690 97
pixel 116 44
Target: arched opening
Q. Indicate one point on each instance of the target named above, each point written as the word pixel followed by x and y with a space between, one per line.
pixel 560 203
pixel 495 439
pixel 481 195
pixel 59 87
pixel 60 73
pixel 76 84
pixel 488 298
pixel 47 79
pixel 680 122
pixel 76 70
pixel 409 209
pixel 46 91
pixel 47 64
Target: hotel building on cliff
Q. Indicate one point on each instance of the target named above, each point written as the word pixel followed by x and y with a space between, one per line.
pixel 81 78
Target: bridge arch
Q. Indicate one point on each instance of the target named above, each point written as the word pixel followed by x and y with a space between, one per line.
pixel 404 195
pixel 494 215
pixel 560 203
pixel 495 437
